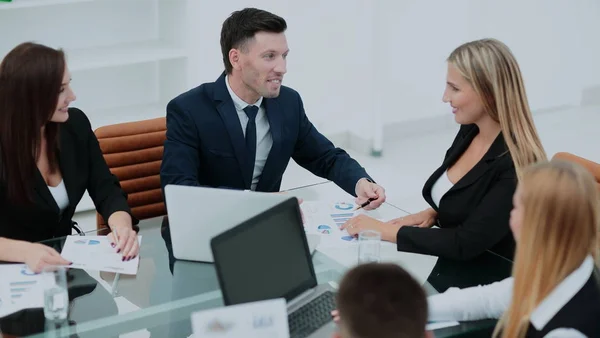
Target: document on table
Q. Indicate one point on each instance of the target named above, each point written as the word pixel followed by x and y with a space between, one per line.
pixel 264 319
pixel 440 325
pixel 96 253
pixel 20 289
pixel 326 218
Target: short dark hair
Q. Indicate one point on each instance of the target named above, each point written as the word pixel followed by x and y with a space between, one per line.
pixel 241 26
pixel 381 300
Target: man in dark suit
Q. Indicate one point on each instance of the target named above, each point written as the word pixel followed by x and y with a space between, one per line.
pixel 241 131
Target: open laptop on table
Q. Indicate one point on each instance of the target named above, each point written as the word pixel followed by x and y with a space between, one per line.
pixel 197 214
pixel 268 257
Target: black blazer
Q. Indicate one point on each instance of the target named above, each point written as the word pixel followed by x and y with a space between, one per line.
pixel 83 167
pixel 580 313
pixel 473 215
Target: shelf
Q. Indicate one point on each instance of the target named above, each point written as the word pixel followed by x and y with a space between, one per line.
pixel 36 3
pixel 125 54
pixel 104 117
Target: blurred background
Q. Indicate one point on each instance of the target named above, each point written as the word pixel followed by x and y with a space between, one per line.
pixel 371 72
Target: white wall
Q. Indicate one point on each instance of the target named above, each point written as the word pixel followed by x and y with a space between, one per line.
pixel 555 43
pixel 327 64
pixel 354 61
pixel 358 64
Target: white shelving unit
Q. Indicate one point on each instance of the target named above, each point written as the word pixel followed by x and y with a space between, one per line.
pixel 127 58
pixel 36 3
pixel 123 54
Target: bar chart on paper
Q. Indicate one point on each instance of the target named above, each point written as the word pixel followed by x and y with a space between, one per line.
pixel 326 218
pixel 20 289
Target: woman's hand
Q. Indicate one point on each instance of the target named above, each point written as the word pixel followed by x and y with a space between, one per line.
pixel 122 236
pixel 363 222
pixel 336 316
pixel 423 219
pixel 37 256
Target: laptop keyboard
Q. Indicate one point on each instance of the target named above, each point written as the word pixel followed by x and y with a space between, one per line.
pixel 311 316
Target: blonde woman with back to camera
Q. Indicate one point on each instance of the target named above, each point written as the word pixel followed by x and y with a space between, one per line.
pixel 470 193
pixel 555 287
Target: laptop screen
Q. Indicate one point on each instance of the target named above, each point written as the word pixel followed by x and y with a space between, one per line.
pixel 265 257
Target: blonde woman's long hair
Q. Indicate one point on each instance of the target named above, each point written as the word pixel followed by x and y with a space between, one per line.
pixel 492 70
pixel 561 220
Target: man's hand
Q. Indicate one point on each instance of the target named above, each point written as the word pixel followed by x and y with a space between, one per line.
pixel 366 190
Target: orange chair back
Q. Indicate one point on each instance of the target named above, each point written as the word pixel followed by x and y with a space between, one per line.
pixel 592 167
pixel 133 152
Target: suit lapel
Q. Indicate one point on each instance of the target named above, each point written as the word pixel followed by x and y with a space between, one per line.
pixel 275 117
pixel 43 192
pixel 452 157
pixel 68 163
pixel 497 149
pixel 232 124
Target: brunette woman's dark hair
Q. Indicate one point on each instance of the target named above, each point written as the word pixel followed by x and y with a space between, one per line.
pixel 30 81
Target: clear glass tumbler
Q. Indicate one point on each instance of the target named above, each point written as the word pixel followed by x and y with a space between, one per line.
pixel 369 246
pixel 56 296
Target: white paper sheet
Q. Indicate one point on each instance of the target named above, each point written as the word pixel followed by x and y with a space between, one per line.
pixel 264 319
pixel 345 252
pixel 325 218
pixel 96 253
pixel 20 289
pixel 440 325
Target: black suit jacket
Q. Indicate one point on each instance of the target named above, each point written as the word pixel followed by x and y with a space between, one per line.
pixel 473 215
pixel 205 143
pixel 83 168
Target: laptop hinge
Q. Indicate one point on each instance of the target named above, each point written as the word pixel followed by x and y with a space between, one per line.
pixel 303 296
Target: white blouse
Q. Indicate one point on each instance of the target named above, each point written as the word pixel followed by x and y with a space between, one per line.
pixel 440 188
pixel 490 301
pixel 60 195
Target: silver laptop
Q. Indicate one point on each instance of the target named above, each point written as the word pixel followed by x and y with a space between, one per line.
pixel 197 214
pixel 268 257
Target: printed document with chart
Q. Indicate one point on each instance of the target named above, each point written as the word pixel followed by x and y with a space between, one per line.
pixel 20 288
pixel 325 218
pixel 96 253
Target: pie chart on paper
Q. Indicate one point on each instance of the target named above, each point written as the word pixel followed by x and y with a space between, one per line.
pixel 343 206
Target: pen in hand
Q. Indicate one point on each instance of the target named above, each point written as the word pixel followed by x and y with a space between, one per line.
pixel 365 203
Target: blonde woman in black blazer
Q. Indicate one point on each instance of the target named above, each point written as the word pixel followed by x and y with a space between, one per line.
pixel 49 156
pixel 471 192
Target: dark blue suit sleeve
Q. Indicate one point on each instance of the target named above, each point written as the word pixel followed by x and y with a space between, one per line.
pixel 317 154
pixel 180 162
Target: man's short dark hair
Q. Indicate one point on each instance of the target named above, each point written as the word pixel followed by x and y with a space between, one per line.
pixel 241 26
pixel 381 300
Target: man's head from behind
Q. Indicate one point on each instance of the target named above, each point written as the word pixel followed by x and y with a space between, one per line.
pixel 381 300
pixel 254 51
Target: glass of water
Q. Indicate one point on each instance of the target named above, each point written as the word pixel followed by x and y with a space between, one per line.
pixel 369 245
pixel 56 296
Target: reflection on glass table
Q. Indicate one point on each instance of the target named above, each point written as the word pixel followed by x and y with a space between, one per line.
pixel 160 299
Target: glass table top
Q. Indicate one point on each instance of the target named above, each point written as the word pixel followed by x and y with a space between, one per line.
pixel 160 299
